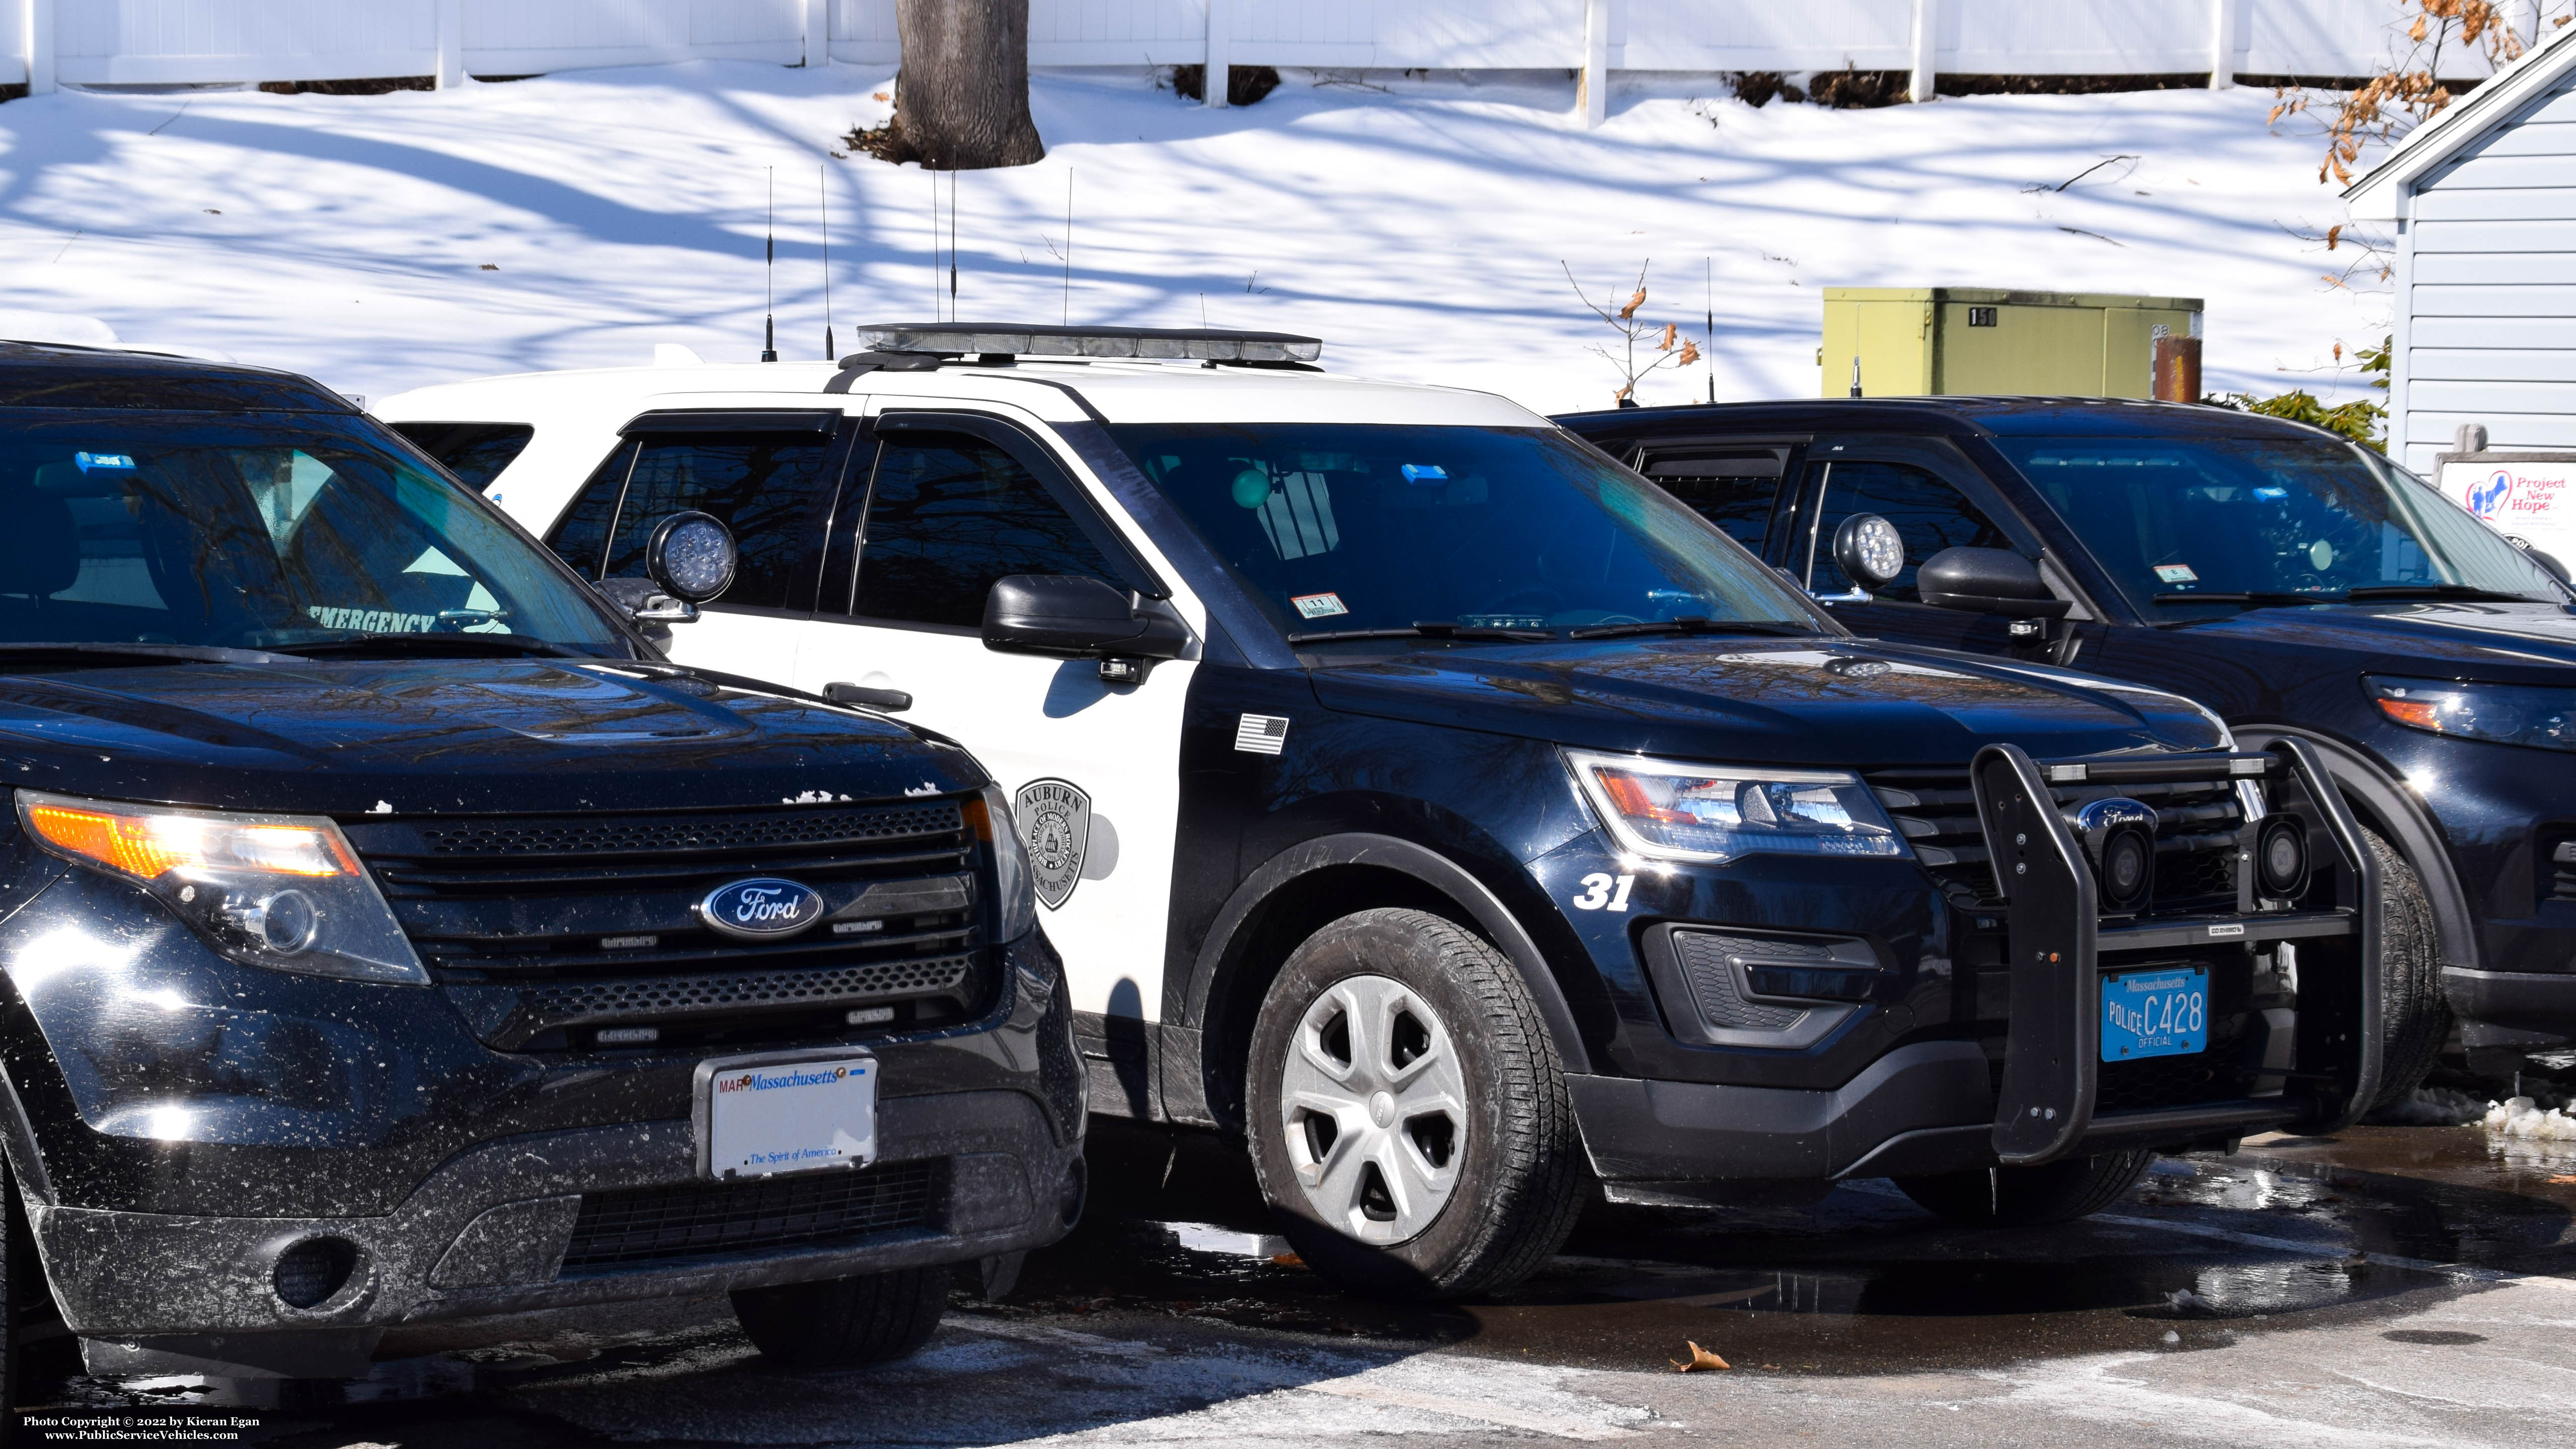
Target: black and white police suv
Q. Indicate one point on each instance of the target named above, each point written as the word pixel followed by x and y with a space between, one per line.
pixel 1440 806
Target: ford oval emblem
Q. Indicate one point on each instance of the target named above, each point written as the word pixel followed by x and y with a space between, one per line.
pixel 761 908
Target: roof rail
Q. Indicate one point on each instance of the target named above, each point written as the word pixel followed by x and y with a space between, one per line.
pixel 1197 344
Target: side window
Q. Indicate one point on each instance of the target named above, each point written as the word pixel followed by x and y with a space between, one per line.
pixel 475 452
pixel 764 486
pixel 580 537
pixel 948 515
pixel 1733 488
pixel 1930 513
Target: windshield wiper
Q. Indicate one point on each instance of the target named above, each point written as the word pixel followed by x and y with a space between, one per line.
pixel 459 645
pixel 2436 591
pixel 1428 629
pixel 78 653
pixel 1694 624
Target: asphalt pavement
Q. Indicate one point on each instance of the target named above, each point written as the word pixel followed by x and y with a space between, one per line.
pixel 2388 1286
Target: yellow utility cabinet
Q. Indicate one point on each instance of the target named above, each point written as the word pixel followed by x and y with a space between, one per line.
pixel 1918 341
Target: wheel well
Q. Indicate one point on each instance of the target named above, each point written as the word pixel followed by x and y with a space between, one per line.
pixel 1271 933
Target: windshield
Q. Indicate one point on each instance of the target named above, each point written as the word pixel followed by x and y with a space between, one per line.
pixel 1339 526
pixel 257 531
pixel 2175 518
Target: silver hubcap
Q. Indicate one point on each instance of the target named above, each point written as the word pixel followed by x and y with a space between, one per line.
pixel 1373 1104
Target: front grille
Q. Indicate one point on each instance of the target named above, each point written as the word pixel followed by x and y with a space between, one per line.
pixel 540 925
pixel 705 1219
pixel 695 835
pixel 2196 825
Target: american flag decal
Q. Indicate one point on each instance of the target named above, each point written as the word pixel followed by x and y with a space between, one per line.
pixel 1262 734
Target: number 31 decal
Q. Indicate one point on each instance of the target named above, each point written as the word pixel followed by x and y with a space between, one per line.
pixel 1601 890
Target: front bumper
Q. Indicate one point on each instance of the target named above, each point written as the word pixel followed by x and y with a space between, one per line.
pixel 487 1235
pixel 1944 1105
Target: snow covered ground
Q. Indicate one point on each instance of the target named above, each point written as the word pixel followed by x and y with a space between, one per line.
pixel 383 242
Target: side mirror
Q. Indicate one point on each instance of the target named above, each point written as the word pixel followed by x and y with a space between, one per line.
pixel 1870 550
pixel 692 556
pixel 1987 581
pixel 2549 562
pixel 1079 617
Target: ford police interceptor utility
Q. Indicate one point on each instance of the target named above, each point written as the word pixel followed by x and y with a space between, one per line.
pixel 393 945
pixel 1442 807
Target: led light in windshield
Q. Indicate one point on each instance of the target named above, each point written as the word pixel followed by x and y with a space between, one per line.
pixel 1716 812
pixel 1425 473
pixel 2511 714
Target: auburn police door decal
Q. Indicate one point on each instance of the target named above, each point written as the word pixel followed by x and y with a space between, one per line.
pixel 1054 819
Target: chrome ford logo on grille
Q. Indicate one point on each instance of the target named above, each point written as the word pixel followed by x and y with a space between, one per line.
pixel 761 907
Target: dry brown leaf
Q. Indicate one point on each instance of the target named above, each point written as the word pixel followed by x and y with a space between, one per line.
pixel 1634 303
pixel 1666 345
pixel 2564 1179
pixel 1690 352
pixel 2333 233
pixel 880 96
pixel 2415 32
pixel 2338 352
pixel 1700 1359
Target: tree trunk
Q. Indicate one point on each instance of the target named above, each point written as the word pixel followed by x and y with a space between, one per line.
pixel 962 98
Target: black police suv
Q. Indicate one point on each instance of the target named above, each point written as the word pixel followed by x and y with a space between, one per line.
pixel 2301 586
pixel 1453 815
pixel 390 940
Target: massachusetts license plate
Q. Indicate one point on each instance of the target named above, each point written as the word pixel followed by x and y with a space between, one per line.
pixel 2163 1013
pixel 761 1116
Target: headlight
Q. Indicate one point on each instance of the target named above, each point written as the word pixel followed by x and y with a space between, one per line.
pixel 280 891
pixel 1013 886
pixel 2512 714
pixel 1717 812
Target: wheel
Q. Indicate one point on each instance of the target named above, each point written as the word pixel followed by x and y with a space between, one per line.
pixel 2414 1016
pixel 843 1321
pixel 1409 1116
pixel 2020 1197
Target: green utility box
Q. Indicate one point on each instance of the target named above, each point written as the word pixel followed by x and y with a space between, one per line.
pixel 1915 341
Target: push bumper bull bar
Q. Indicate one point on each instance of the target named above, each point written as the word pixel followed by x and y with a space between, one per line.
pixel 2062 948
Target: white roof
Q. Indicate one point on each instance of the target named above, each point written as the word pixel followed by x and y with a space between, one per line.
pixel 2382 189
pixel 1120 392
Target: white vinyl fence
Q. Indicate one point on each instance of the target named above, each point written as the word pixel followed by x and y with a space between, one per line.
pixel 44 43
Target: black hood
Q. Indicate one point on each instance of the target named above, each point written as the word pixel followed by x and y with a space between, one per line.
pixel 1822 701
pixel 2506 643
pixel 479 735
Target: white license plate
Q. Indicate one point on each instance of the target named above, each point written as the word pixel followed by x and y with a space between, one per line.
pixel 765 1115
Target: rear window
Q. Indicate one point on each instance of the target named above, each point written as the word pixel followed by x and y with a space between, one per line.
pixel 475 452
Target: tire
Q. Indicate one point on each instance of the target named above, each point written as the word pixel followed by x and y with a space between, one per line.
pixel 843 1321
pixel 2020 1197
pixel 1409 1117
pixel 2414 1016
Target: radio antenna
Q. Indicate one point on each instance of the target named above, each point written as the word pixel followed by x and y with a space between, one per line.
pixel 931 167
pixel 1068 247
pixel 769 322
pixel 1855 388
pixel 1708 292
pixel 952 243
pixel 823 196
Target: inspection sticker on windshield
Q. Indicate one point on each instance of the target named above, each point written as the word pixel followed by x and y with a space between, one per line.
pixel 1319 606
pixel 87 461
pixel 2177 574
pixel 2155 1013
pixel 761 1116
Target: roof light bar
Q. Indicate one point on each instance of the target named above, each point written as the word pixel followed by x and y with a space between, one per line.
pixel 1195 344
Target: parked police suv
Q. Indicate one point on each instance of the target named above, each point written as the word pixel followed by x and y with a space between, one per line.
pixel 394 941
pixel 1450 812
pixel 2294 582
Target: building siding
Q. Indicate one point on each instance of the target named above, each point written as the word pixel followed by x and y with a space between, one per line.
pixel 2488 290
